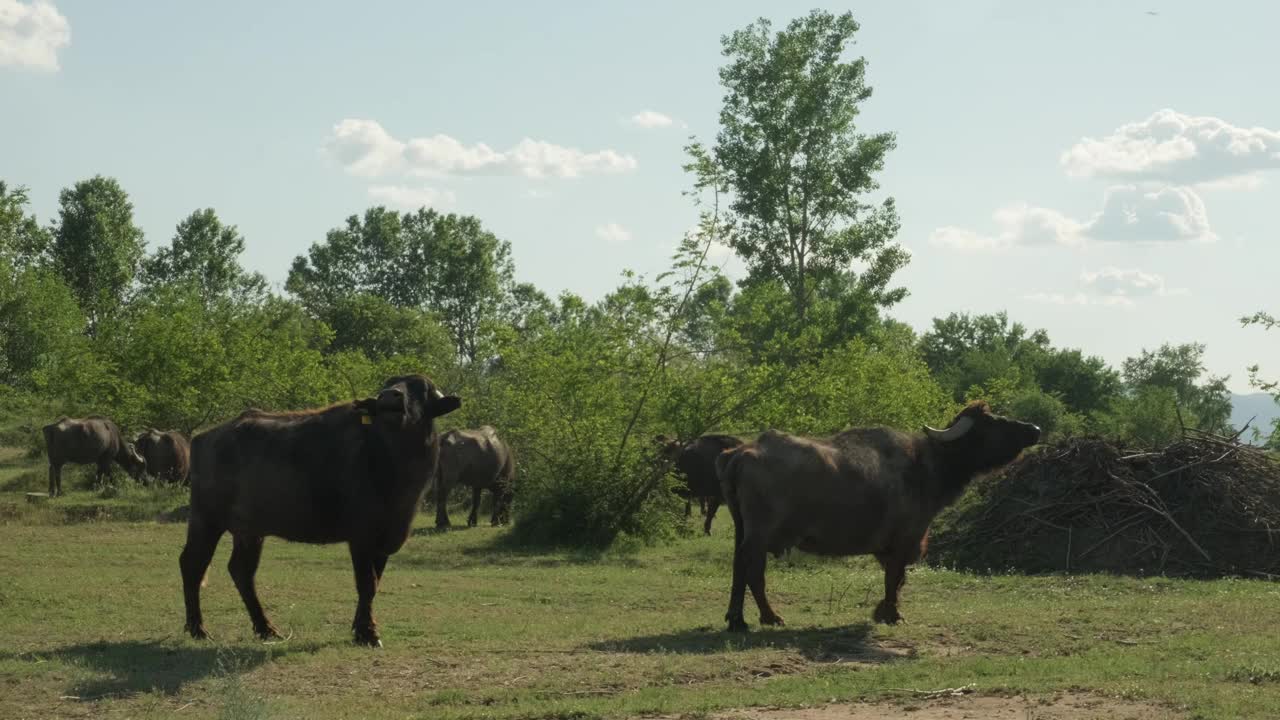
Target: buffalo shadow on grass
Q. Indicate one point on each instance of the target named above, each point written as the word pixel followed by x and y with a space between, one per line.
pixel 502 549
pixel 848 643
pixel 141 666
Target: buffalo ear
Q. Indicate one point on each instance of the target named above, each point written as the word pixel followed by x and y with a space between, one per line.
pixel 444 405
pixel 367 405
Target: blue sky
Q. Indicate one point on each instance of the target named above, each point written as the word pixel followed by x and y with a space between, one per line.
pixel 1104 173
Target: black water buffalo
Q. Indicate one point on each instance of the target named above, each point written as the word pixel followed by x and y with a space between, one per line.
pixel 477 458
pixel 167 454
pixel 695 463
pixel 352 473
pixel 867 491
pixel 93 440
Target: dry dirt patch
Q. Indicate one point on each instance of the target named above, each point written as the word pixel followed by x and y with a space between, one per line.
pixel 1064 706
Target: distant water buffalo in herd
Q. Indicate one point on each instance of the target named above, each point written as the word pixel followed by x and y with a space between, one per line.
pixel 695 461
pixel 356 473
pixel 93 440
pixel 352 473
pixel 867 491
pixel 167 454
pixel 480 460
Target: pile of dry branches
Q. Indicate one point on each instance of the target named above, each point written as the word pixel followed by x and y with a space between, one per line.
pixel 1205 506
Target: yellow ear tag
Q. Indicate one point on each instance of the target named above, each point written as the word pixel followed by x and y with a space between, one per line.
pixel 366 420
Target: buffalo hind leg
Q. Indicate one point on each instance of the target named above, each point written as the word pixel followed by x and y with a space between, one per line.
pixel 246 553
pixel 713 504
pixel 365 564
pixel 738 592
pixel 476 492
pixel 202 540
pixel 442 502
pixel 55 480
pixel 754 560
pixel 895 575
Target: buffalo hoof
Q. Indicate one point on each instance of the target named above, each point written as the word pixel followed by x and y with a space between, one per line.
pixel 774 619
pixel 738 625
pixel 887 614
pixel 268 633
pixel 368 638
pixel 198 632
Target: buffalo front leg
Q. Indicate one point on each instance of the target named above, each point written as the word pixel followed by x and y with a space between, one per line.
pixel 202 540
pixel 246 553
pixel 713 504
pixel 895 575
pixel 476 492
pixel 365 565
pixel 55 480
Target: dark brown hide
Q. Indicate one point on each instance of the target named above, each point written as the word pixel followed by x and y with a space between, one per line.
pixel 167 454
pixel 869 491
pixel 695 464
pixel 480 460
pixel 352 473
pixel 93 440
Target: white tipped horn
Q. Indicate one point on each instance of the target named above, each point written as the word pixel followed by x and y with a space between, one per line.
pixel 955 432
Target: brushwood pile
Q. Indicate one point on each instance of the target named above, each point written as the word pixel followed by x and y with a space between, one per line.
pixel 1203 506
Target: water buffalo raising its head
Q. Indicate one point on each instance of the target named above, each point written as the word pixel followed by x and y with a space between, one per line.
pixel 352 473
pixel 863 491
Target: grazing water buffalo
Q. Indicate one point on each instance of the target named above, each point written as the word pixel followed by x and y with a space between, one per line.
pixel 93 440
pixel 480 459
pixel 167 454
pixel 695 462
pixel 867 491
pixel 352 473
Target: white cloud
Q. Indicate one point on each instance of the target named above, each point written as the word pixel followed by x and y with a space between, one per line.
pixel 412 198
pixel 1129 214
pixel 1252 181
pixel 651 119
pixel 1170 214
pixel 1078 299
pixel 1115 282
pixel 1058 298
pixel 1019 224
pixel 31 34
pixel 364 148
pixel 1171 147
pixel 613 233
pixel 1110 286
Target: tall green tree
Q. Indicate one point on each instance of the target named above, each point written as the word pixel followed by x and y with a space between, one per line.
pixel 23 243
pixel 366 255
pixel 1179 369
pixel 96 248
pixel 1266 321
pixel 797 168
pixel 206 253
pixel 466 273
pixel 448 265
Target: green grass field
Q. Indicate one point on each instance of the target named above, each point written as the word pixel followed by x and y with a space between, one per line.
pixel 91 619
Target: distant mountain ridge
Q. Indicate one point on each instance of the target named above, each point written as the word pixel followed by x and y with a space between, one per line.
pixel 1261 405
